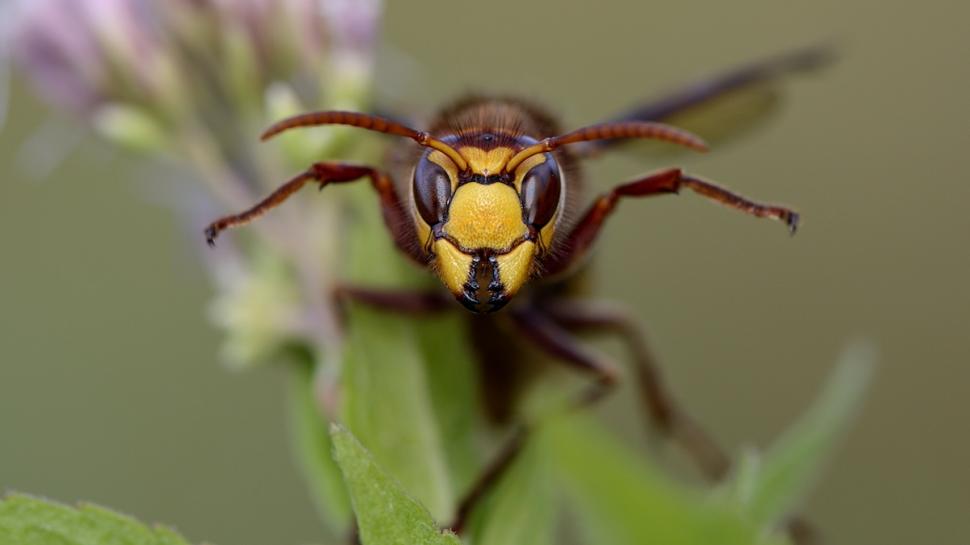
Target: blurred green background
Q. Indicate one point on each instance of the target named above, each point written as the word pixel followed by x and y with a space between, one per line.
pixel 110 389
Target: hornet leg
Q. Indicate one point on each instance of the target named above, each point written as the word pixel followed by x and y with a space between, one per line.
pixel 668 181
pixel 395 215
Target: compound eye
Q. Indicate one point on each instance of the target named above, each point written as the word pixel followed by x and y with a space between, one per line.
pixel 432 191
pixel 540 192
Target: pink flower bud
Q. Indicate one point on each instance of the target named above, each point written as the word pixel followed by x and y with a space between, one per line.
pixel 51 41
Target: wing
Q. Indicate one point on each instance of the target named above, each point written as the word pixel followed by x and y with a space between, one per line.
pixel 723 106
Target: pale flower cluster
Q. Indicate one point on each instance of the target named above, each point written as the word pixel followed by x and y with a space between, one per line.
pixel 194 82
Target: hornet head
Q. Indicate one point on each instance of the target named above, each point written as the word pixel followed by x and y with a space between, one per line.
pixel 485 225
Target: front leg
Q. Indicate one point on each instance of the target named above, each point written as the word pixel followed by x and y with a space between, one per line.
pixel 579 240
pixel 393 210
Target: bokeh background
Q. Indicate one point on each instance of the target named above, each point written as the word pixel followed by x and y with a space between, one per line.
pixel 110 388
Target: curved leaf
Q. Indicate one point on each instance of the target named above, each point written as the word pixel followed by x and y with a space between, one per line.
pixel 774 486
pixel 386 514
pixel 26 520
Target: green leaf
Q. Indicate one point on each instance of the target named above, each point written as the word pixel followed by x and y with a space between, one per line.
pixel 25 520
pixel 387 401
pixel 621 499
pixel 387 405
pixel 521 510
pixel 771 488
pixel 386 515
pixel 453 385
pixel 312 446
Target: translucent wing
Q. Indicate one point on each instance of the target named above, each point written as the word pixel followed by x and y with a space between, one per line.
pixel 720 107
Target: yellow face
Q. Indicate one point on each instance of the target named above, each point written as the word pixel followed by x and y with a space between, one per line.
pixel 483 228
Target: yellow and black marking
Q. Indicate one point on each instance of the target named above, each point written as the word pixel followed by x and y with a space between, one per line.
pixel 482 246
